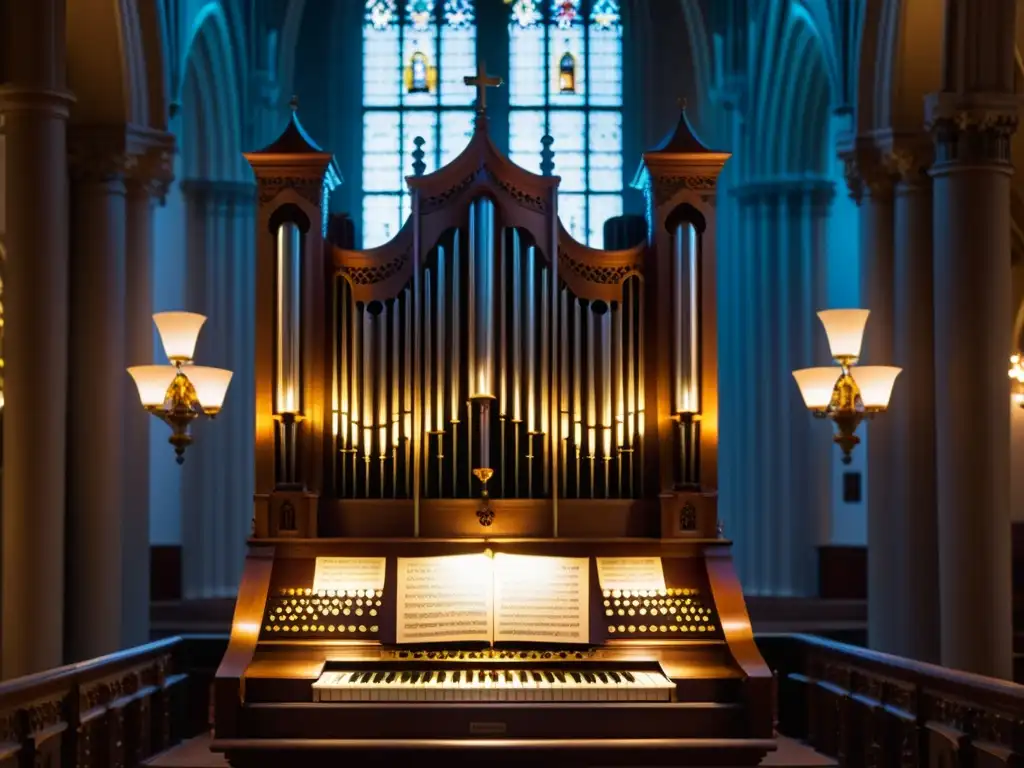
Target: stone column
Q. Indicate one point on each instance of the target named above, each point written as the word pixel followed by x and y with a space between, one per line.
pixel 971 178
pixel 911 523
pixel 98 385
pixel 872 186
pixel 218 483
pixel 779 271
pixel 146 186
pixel 35 105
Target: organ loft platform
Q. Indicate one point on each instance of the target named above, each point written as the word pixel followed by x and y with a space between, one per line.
pixel 485 519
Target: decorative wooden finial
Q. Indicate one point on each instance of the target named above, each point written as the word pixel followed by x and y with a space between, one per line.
pixel 482 81
pixel 294 103
pixel 418 166
pixel 547 156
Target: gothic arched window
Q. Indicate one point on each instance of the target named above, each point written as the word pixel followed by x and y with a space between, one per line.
pixel 415 54
pixel 565 79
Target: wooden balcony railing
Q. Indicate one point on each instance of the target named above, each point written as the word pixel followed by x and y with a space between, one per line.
pixel 870 709
pixel 110 712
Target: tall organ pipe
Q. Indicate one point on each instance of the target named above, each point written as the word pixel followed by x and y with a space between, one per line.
pixel 289 305
pixel 440 325
pixel 686 319
pixel 517 331
pixel 456 344
pixel 531 341
pixel 481 237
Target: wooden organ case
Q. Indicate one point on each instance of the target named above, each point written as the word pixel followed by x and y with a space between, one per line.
pixel 485 382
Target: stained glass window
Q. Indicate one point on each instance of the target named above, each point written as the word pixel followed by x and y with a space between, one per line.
pixel 415 54
pixel 565 79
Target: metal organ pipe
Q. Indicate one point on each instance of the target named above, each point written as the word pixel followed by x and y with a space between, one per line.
pixel 439 327
pixel 531 341
pixel 686 319
pixel 517 331
pixel 428 378
pixel 289 305
pixel 545 382
pixel 606 382
pixel 456 345
pixel 481 223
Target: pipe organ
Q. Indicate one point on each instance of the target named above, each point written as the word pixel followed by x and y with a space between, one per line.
pixel 485 387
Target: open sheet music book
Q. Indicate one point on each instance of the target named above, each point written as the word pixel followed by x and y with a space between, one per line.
pixel 504 599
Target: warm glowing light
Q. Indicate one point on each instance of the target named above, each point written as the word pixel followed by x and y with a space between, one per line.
pixel 178 333
pixel 394 432
pixel 816 385
pixel 640 425
pixel 152 382
pixel 607 442
pixel 335 417
pixel 355 434
pixel 211 385
pixel 1016 369
pixel 382 440
pixel 875 383
pixel 288 402
pixel 845 330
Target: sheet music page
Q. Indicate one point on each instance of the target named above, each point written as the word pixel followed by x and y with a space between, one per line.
pixel 444 599
pixel 632 573
pixel 541 599
pixel 348 573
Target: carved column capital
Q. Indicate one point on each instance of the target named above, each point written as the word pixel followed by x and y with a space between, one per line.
pixel 153 172
pixel 97 156
pixel 908 159
pixel 972 129
pixel 866 172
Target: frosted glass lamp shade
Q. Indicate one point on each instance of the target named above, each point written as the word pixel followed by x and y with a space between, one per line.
pixel 152 382
pixel 211 386
pixel 816 385
pixel 845 330
pixel 875 383
pixel 178 332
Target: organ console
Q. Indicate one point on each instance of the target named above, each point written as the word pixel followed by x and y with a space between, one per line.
pixel 485 520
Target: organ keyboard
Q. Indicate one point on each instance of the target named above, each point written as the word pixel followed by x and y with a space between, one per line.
pixel 525 684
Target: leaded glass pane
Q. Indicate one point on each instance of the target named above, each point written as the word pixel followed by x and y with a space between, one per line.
pixel 605 68
pixel 570 41
pixel 423 42
pixel 382 73
pixel 456 130
pixel 526 68
pixel 600 209
pixel 572 211
pixel 458 60
pixel 380 219
pixel 525 130
pixel 381 140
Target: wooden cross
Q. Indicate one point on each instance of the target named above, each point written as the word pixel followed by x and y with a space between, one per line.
pixel 482 81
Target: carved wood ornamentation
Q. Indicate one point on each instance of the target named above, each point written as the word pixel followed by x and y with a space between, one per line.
pixel 310 188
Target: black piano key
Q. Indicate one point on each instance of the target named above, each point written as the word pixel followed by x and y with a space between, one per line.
pixel 590 677
pixel 576 677
pixel 390 677
pixel 603 677
pixel 629 677
pixel 406 676
pixel 559 675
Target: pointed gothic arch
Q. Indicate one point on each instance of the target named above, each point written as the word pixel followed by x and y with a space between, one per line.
pixel 212 106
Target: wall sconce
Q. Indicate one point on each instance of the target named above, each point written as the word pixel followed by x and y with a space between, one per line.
pixel 1017 374
pixel 179 393
pixel 843 399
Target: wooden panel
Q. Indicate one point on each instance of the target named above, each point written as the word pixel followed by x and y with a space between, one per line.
pixel 843 572
pixel 608 518
pixel 528 518
pixel 362 518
